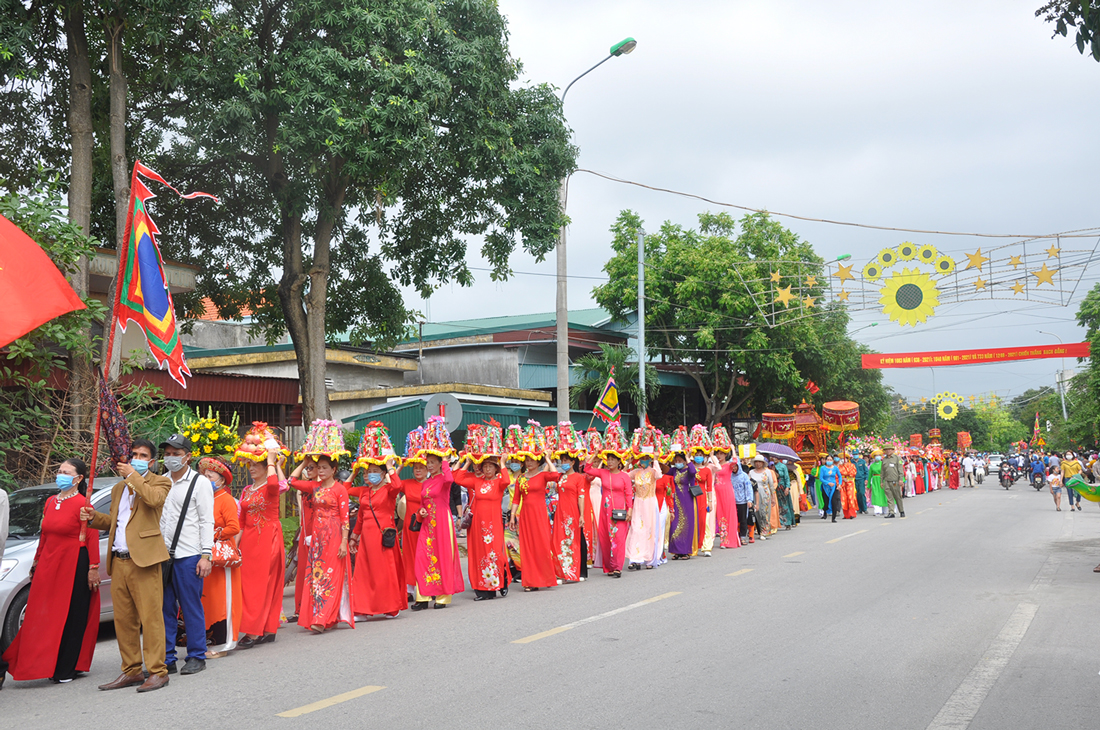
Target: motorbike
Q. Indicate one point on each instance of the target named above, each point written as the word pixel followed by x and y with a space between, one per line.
pixel 1008 475
pixel 1038 481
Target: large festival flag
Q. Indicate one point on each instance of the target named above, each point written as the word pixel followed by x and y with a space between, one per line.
pixel 1035 436
pixel 607 407
pixel 142 295
pixel 32 290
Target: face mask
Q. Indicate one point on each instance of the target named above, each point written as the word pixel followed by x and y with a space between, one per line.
pixel 514 465
pixel 878 458
pixel 699 459
pixel 141 466
pixel 173 463
pixel 64 481
pixel 374 478
pixel 644 463
pixel 829 462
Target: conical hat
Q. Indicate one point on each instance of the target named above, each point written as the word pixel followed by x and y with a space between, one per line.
pixel 567 441
pixel 252 446
pixel 438 438
pixel 614 441
pixel 699 439
pixel 415 445
pixel 721 438
pixel 325 438
pixel 375 447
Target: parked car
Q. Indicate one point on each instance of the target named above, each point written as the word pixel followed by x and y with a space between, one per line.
pixel 25 507
pixel 995 462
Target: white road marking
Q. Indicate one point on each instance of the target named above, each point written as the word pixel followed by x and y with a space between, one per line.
pixel 590 619
pixel 845 537
pixel 961 707
pixel 738 572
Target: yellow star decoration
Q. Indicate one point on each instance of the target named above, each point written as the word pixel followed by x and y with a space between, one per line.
pixel 842 296
pixel 976 260
pixel 811 281
pixel 1017 288
pixel 775 277
pixel 809 301
pixel 1053 251
pixel 1015 262
pixel 844 273
pixel 979 284
pixel 1045 275
pixel 784 296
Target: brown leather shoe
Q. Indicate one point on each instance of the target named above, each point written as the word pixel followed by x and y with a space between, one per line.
pixel 124 680
pixel 155 681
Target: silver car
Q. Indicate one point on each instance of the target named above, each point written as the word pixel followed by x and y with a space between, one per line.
pixel 26 506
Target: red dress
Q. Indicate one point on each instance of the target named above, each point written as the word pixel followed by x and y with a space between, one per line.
pixel 534 530
pixel 378 584
pixel 263 558
pixel 328 595
pixel 567 536
pixel 953 479
pixel 486 558
pixel 848 502
pixel 63 562
pixel 616 492
pixel 409 539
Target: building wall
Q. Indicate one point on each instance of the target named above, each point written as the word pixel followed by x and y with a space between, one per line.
pixel 219 335
pixel 492 365
pixel 345 377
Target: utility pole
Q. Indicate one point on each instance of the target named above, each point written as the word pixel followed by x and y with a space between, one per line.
pixel 642 405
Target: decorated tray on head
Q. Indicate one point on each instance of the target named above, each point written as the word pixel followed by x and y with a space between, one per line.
pixel 325 438
pixel 645 442
pixel 530 444
pixel 484 441
pixel 593 442
pixel 252 446
pixel 437 439
pixel 415 446
pixel 615 441
pixel 721 439
pixel 677 444
pixel 567 441
pixel 699 440
pixel 375 447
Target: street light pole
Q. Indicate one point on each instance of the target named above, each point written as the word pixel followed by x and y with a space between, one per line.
pixel 561 313
pixel 642 405
pixel 1061 376
pixel 935 414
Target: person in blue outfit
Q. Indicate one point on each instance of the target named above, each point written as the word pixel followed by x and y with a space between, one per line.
pixel 830 488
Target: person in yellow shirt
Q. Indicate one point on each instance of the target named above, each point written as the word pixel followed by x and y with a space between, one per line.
pixel 1071 467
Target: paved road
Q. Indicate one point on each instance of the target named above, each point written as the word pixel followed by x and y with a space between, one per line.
pixel 974 611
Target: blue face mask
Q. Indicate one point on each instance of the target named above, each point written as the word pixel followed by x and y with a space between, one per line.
pixel 141 466
pixel 699 459
pixel 829 462
pixel 514 465
pixel 374 478
pixel 64 481
pixel 644 463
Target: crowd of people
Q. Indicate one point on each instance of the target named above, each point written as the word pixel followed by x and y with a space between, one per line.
pixel 539 507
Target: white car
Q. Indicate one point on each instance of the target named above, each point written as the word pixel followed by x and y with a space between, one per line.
pixel 995 463
pixel 25 509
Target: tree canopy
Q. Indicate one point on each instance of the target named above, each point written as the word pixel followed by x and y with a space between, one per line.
pixel 705 312
pixel 1081 15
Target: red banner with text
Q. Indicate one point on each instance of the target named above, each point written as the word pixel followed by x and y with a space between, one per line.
pixel 972 357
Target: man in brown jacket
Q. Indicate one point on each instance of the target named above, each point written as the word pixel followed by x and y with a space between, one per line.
pixel 135 551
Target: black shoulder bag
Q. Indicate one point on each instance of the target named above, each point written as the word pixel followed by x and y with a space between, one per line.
pixel 166 569
pixel 389 535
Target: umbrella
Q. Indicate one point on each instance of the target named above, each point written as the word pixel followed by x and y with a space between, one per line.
pixel 779 451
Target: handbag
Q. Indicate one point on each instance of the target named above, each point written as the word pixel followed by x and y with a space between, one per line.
pixel 389 535
pixel 695 490
pixel 467 520
pixel 166 569
pixel 618 515
pixel 225 554
pixel 414 524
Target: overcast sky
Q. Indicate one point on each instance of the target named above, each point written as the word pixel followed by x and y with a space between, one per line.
pixel 932 115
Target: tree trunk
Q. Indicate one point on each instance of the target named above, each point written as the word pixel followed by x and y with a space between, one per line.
pixel 80 183
pixel 120 169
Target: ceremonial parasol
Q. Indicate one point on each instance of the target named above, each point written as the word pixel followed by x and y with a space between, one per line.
pixel 779 451
pixel 840 415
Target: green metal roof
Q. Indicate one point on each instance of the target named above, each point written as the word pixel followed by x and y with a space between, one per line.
pixel 594 319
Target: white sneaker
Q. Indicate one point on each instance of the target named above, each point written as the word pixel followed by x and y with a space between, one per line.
pixel 360 618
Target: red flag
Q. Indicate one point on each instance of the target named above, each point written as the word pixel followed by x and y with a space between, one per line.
pixel 759 428
pixel 32 290
pixel 812 386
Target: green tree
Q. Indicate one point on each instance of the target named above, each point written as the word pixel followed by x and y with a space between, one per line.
pixel 1081 15
pixel 595 369
pixel 357 146
pixel 710 309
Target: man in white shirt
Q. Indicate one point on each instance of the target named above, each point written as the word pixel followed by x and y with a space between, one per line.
pixel 191 496
pixel 968 470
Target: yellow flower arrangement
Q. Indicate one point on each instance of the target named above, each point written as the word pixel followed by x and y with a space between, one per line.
pixel 207 433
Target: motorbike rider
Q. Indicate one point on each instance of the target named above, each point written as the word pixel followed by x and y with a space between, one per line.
pixel 1038 470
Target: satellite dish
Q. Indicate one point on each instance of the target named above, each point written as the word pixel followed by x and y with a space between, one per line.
pixel 446 405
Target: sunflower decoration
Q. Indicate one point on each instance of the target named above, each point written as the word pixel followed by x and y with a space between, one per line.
pixel 872 271
pixel 948 409
pixel 909 297
pixel 907 251
pixel 887 257
pixel 945 265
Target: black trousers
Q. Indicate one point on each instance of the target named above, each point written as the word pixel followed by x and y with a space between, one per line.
pixel 743 519
pixel 72 636
pixel 833 503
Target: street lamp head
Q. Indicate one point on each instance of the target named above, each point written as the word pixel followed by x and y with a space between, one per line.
pixel 623 47
pixel 844 257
